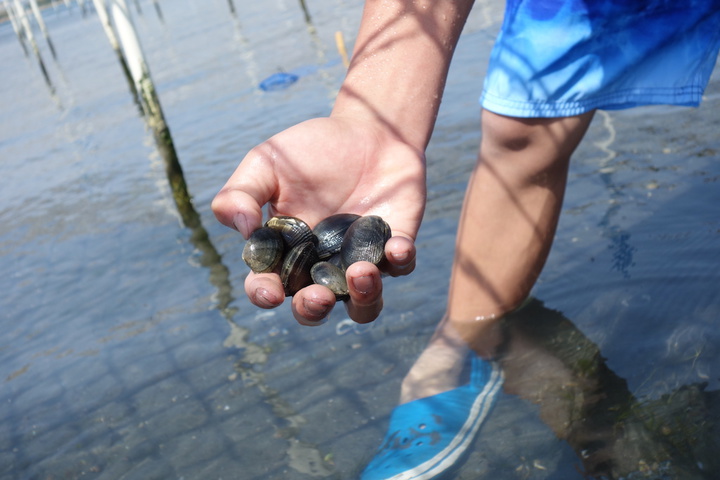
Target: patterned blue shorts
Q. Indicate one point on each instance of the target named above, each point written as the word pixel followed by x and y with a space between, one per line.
pixel 556 58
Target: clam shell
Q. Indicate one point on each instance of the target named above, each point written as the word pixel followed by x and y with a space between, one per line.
pixel 332 277
pixel 293 230
pixel 263 250
pixel 295 270
pixel 335 260
pixel 330 232
pixel 365 241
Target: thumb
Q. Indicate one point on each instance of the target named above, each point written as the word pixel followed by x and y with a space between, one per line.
pixel 239 203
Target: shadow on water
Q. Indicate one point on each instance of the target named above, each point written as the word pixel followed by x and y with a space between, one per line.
pixel 284 402
pixel 550 363
pixel 304 457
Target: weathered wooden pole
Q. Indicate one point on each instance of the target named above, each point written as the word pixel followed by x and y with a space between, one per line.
pixel 16 27
pixel 306 12
pixel 340 42
pixel 149 100
pixel 22 18
pixel 103 15
pixel 158 11
pixel 135 58
pixel 81 3
pixel 43 28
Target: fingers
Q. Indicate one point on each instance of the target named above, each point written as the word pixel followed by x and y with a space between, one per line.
pixel 312 305
pixel 365 287
pixel 239 204
pixel 264 289
pixel 400 253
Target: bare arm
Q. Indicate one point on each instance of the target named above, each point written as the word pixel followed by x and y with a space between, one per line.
pixel 400 63
pixel 366 158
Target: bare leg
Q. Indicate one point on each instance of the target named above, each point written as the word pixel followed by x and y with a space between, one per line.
pixel 510 213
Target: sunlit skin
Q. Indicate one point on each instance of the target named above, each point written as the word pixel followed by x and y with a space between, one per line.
pixel 368 158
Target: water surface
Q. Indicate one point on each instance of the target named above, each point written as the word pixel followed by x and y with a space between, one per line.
pixel 129 351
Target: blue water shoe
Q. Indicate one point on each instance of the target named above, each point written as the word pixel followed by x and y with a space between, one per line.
pixel 428 436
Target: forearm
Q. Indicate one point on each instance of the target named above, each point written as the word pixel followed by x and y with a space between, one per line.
pixel 400 63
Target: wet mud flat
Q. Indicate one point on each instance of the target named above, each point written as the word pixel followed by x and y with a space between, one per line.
pixel 128 353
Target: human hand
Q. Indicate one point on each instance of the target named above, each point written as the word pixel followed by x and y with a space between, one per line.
pixel 318 168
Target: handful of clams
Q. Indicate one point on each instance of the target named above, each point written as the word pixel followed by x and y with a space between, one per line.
pixel 318 255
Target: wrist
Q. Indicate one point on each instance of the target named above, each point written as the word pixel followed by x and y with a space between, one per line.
pixel 399 66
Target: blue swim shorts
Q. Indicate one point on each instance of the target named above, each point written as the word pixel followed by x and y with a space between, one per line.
pixel 556 58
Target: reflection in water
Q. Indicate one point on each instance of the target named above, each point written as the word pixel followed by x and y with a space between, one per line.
pixel 549 362
pixel 303 457
pixel 158 10
pixel 16 27
pixel 308 18
pixel 104 17
pixel 622 250
pixel 43 28
pixel 26 30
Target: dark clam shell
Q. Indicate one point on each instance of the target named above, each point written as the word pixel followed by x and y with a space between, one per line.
pixel 335 260
pixel 295 270
pixel 263 250
pixel 293 230
pixel 330 233
pixel 365 241
pixel 330 276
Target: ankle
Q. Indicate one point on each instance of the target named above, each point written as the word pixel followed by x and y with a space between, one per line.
pixel 437 369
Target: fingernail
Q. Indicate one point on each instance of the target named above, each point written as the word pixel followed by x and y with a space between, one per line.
pixel 315 308
pixel 241 225
pixel 363 284
pixel 400 257
pixel 264 299
pixel 402 268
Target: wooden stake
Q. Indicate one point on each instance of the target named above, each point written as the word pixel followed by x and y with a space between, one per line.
pixel 149 99
pixel 340 42
pixel 139 71
pixel 16 27
pixel 158 11
pixel 22 17
pixel 43 28
pixel 103 15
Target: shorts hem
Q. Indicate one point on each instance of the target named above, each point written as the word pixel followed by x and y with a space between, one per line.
pixel 685 96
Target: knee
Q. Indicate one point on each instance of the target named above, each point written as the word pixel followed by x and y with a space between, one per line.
pixel 544 142
pixel 505 134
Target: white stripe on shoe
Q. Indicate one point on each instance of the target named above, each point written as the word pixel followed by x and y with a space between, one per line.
pixel 448 456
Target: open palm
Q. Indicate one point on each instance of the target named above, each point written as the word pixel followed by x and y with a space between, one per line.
pixel 321 167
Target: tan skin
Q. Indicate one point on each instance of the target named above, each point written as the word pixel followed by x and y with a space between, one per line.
pixel 368 158
pixel 510 213
pixel 277 172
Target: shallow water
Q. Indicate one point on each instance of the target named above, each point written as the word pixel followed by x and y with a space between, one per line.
pixel 128 351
